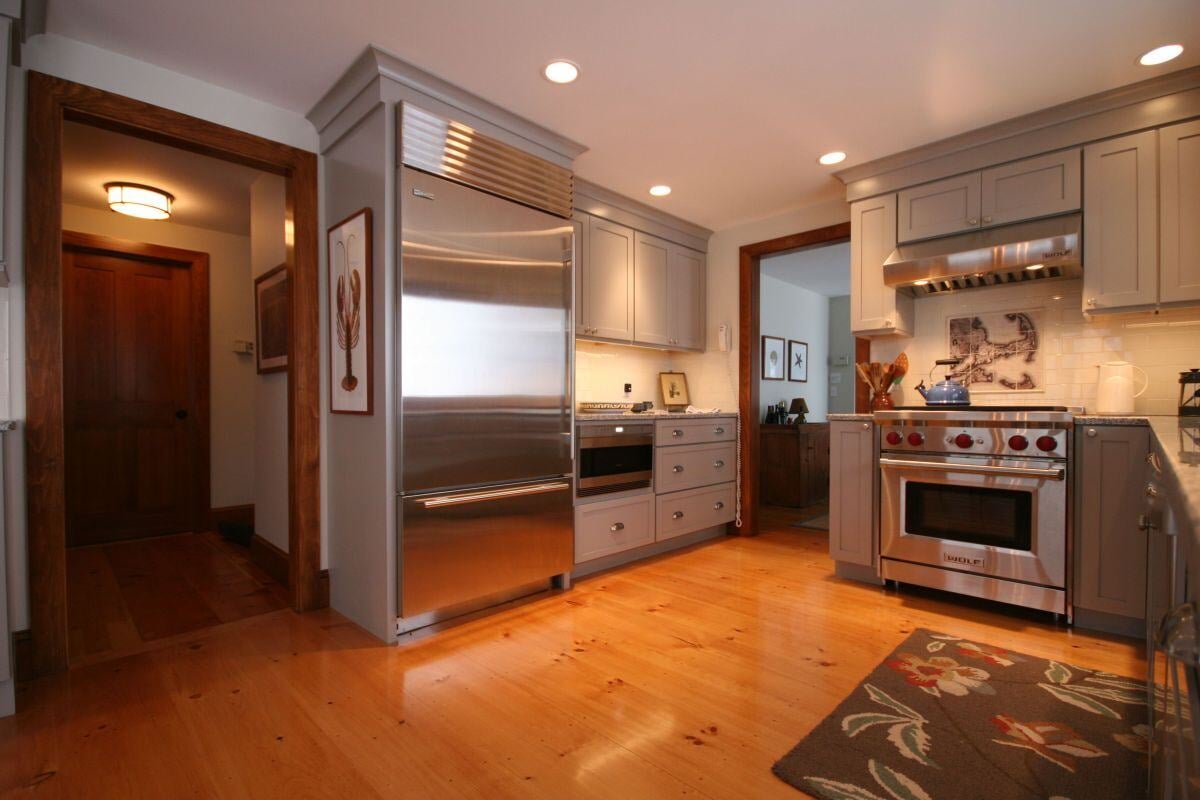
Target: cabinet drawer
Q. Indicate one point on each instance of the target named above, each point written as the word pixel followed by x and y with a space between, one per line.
pixel 684 512
pixel 695 431
pixel 692 466
pixel 605 528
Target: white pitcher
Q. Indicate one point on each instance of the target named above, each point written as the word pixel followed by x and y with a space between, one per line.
pixel 1115 394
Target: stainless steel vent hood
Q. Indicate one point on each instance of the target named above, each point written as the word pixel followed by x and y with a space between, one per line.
pixel 1027 251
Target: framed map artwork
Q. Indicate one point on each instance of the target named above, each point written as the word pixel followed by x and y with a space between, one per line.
pixel 1000 351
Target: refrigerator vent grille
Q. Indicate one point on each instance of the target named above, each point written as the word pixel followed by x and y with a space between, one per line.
pixel 460 153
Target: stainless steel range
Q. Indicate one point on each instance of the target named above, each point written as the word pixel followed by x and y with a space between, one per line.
pixel 976 501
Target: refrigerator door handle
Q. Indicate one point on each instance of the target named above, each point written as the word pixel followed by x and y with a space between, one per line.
pixel 442 501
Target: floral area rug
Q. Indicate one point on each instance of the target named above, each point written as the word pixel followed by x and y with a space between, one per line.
pixel 944 718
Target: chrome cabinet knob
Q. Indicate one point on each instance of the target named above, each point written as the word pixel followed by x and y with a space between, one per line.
pixel 718 464
pixel 987 219
pixel 718 431
pixel 677 433
pixel 1151 491
pixel 617 526
pixel 1091 432
pixel 717 506
pixel 677 468
pixel 1091 301
pixel 973 221
pixel 677 515
pixel 866 426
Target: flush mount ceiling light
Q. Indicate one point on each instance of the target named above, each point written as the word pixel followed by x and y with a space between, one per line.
pixel 1160 55
pixel 829 159
pixel 661 190
pixel 137 200
pixel 561 71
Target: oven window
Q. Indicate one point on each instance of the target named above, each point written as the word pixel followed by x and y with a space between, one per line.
pixel 599 462
pixel 993 517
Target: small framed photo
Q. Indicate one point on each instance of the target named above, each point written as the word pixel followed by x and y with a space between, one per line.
pixel 674 390
pixel 797 361
pixel 351 350
pixel 272 320
pixel 772 358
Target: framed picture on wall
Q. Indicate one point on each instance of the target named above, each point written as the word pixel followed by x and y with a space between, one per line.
pixel 272 320
pixel 772 358
pixel 351 350
pixel 797 361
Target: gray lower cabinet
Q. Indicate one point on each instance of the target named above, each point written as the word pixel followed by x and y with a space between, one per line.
pixel 683 512
pixel 693 466
pixel 1110 549
pixel 612 526
pixel 852 503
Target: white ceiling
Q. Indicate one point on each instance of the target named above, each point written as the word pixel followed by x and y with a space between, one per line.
pixel 824 270
pixel 729 103
pixel 209 193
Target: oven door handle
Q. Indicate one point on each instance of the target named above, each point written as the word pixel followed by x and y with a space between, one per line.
pixel 1054 473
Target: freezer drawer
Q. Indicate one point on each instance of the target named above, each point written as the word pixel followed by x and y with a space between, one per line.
pixel 463 545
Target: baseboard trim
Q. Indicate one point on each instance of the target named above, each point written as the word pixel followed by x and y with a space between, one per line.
pixel 239 515
pixel 270 559
pixel 22 654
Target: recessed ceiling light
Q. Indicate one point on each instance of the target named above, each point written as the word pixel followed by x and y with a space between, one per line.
pixel 829 159
pixel 136 200
pixel 660 190
pixel 560 71
pixel 1161 55
pixel 1035 267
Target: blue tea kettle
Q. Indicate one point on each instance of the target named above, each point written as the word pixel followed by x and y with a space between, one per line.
pixel 945 393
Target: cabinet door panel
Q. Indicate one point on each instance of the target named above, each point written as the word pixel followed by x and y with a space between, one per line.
pixel 608 280
pixel 1110 551
pixel 686 298
pixel 650 293
pixel 1120 223
pixel 579 223
pixel 1035 187
pixel 852 468
pixel 939 208
pixel 874 306
pixel 1180 210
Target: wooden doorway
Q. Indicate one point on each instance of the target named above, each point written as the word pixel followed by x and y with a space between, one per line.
pixel 750 353
pixel 49 102
pixel 135 389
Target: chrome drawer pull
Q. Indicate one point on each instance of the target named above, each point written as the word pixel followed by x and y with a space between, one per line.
pixel 677 515
pixel 717 506
pixel 718 464
pixel 718 431
pixel 677 432
pixel 677 468
pixel 617 526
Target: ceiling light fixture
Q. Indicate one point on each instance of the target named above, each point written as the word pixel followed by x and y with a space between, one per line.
pixel 561 71
pixel 660 190
pixel 1035 267
pixel 137 200
pixel 829 159
pixel 1160 55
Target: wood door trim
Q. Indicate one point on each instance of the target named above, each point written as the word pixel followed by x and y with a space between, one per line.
pixel 750 351
pixel 198 263
pixel 50 101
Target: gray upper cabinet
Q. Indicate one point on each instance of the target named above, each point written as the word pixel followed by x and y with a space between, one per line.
pixel 687 299
pixel 606 275
pixel 940 208
pixel 651 293
pixel 852 468
pixel 1034 187
pixel 1110 550
pixel 875 308
pixel 579 223
pixel 1180 212
pixel 1120 223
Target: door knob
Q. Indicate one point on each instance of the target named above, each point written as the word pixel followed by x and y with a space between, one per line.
pixel 181 414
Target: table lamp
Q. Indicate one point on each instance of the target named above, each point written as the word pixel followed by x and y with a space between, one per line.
pixel 800 408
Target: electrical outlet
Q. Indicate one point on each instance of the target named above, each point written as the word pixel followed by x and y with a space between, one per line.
pixel 628 389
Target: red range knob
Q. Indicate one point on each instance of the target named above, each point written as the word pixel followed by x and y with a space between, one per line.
pixel 916 439
pixel 893 437
pixel 1046 443
pixel 1018 442
pixel 963 440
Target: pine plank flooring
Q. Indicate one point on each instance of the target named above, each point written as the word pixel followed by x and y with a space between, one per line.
pixel 683 676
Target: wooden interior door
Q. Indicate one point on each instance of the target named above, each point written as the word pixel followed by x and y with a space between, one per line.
pixel 135 369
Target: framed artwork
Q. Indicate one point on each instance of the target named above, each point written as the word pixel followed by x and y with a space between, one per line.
pixel 797 361
pixel 772 358
pixel 272 320
pixel 674 389
pixel 1001 351
pixel 351 350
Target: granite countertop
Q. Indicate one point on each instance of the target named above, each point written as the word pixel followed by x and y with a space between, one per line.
pixel 1182 478
pixel 608 416
pixel 850 417
pixel 7 424
pixel 1111 419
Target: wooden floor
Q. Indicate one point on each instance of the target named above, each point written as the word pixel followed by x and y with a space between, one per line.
pixel 125 595
pixel 685 676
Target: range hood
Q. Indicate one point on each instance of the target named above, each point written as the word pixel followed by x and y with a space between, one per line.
pixel 1043 249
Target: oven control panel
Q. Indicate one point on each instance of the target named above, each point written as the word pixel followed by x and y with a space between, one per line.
pixel 950 439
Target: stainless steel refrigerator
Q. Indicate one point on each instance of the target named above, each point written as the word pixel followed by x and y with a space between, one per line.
pixel 485 430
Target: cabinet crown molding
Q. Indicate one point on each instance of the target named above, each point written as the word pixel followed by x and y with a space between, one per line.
pixel 601 202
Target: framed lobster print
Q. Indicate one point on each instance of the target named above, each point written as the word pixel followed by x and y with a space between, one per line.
pixel 350 332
